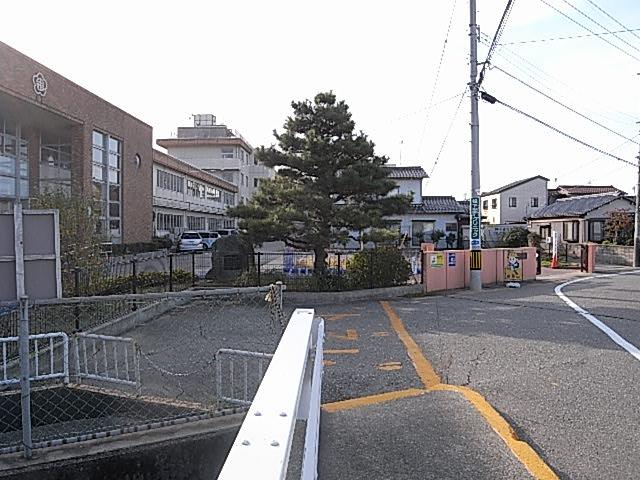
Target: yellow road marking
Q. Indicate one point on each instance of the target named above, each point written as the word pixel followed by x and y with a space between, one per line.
pixel 352 351
pixel 328 363
pixel 521 450
pixel 351 335
pixel 340 316
pixel 389 366
pixel 380 334
pixel 424 369
pixel 371 400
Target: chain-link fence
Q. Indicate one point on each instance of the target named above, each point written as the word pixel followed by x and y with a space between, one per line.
pixel 142 369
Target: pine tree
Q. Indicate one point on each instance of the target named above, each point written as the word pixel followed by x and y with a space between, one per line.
pixel 329 182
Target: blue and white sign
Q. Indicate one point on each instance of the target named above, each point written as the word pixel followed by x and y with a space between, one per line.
pixel 476 219
pixel 451 259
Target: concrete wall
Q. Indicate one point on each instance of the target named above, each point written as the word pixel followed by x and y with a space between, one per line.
pixel 193 451
pixel 450 277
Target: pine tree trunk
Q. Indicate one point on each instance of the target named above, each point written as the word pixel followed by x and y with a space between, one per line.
pixel 319 264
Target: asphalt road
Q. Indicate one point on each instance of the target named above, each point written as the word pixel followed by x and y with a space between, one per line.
pixel 565 387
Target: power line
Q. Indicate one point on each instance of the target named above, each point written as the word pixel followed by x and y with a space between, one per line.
pixel 491 99
pixel 532 67
pixel 595 122
pixel 593 160
pixel 435 104
pixel 599 24
pixel 572 37
pixel 496 39
pixel 590 31
pixel 435 83
pixel 446 135
pixel 618 22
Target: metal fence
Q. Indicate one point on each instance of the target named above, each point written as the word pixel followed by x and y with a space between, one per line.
pixel 168 272
pixel 162 371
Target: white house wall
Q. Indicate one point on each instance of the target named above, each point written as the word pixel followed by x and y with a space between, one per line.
pixel 523 193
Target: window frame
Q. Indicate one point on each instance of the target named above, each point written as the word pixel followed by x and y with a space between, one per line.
pixel 513 202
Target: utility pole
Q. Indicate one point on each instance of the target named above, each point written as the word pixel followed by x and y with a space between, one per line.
pixel 475 228
pixel 636 234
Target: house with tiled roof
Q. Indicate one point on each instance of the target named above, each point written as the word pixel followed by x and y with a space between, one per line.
pixel 427 213
pixel 515 202
pixel 579 219
pixel 564 191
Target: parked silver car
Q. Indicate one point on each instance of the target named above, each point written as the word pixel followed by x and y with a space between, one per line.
pixel 190 241
pixel 208 239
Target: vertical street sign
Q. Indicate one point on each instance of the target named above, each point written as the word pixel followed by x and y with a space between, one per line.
pixel 475 232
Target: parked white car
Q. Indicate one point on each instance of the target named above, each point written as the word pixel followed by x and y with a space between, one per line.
pixel 190 241
pixel 208 239
pixel 228 231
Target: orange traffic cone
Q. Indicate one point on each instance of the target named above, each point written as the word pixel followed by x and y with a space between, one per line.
pixel 554 261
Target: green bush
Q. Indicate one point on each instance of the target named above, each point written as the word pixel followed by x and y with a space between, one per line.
pixel 383 267
pixel 145 281
pixel 515 237
pixel 158 243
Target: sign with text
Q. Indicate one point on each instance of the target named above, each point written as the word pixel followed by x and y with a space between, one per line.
pixel 451 259
pixel 476 221
pixel 436 260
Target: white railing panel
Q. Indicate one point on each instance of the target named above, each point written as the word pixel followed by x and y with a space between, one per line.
pixel 40 345
pixel 107 359
pixel 263 445
pixel 229 395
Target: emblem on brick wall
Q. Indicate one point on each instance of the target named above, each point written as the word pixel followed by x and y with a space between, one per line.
pixel 39 84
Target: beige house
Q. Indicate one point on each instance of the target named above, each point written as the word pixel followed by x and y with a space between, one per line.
pixel 579 219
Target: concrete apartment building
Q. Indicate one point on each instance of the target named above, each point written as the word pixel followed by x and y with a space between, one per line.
pixel 187 198
pixel 221 151
pixel 515 202
pixel 56 135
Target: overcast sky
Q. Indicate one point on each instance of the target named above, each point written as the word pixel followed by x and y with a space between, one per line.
pixel 245 61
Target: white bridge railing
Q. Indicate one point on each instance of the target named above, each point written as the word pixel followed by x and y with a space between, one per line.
pixel 46 364
pixel 238 365
pixel 289 391
pixel 107 359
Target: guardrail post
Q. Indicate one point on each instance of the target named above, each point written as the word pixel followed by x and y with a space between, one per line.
pixel 171 272
pixel 76 293
pixel 193 269
pixel 134 281
pixel 259 267
pixel 25 383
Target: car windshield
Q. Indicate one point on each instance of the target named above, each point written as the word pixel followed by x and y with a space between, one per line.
pixel 222 232
pixel 204 234
pixel 214 235
pixel 190 236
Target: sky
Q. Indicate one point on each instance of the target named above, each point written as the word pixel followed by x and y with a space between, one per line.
pixel 246 60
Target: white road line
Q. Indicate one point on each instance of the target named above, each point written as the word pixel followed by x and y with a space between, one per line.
pixel 632 349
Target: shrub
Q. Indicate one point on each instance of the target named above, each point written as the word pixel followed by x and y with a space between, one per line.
pixel 383 267
pixel 515 237
pixel 145 281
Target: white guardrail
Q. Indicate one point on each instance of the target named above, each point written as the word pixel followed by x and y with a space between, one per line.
pixel 45 364
pixel 290 391
pixel 107 359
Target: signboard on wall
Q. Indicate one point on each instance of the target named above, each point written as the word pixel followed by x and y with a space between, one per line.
pixel 476 221
pixel 512 266
pixel 41 246
pixel 451 259
pixel 436 260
